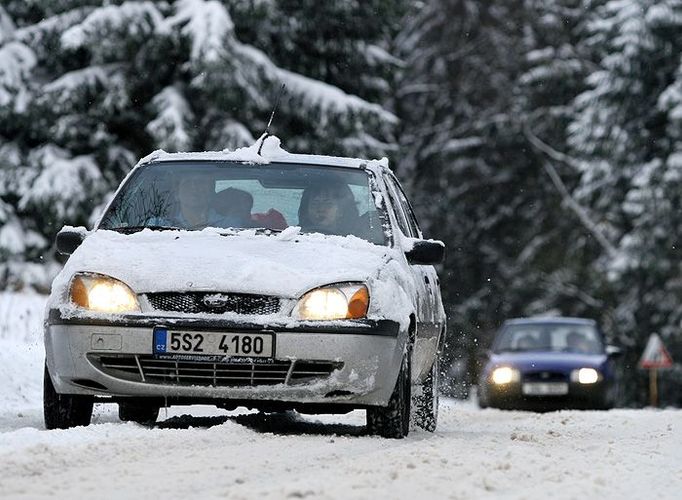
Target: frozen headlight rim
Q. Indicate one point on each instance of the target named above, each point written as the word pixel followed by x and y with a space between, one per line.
pixel 343 301
pixel 101 293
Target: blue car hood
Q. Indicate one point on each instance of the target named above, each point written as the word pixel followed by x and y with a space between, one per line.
pixel 555 361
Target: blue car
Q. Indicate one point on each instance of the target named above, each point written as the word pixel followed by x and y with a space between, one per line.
pixel 549 364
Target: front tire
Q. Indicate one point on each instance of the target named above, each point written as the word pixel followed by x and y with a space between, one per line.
pixel 393 421
pixel 63 411
pixel 426 400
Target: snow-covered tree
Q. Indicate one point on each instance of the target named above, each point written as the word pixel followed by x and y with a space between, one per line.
pixel 478 76
pixel 626 133
pixel 86 87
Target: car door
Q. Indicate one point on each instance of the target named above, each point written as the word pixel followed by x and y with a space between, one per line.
pixel 426 339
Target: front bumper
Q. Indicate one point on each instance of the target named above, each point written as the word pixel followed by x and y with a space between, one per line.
pixel 364 357
pixel 579 396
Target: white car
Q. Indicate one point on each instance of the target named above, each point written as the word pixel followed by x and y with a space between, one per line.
pixel 269 280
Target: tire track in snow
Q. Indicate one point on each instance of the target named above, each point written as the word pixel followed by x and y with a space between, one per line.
pixel 474 454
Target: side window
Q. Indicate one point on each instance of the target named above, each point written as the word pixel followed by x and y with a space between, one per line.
pixel 397 208
pixel 411 219
pixel 406 208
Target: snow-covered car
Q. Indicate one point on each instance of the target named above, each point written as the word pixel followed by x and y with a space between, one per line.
pixel 549 363
pixel 249 278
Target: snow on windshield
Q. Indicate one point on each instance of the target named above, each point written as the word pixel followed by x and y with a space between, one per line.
pixel 192 195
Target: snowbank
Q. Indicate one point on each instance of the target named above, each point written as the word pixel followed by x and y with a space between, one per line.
pixel 21 353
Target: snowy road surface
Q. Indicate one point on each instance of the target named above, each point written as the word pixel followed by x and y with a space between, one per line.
pixel 219 454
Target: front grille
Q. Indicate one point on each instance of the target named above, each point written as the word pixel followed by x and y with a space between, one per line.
pixel 545 376
pixel 199 302
pixel 149 369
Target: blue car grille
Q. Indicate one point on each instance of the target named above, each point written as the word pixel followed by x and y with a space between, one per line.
pixel 545 376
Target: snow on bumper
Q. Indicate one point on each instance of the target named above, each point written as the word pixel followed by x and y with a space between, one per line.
pixel 365 357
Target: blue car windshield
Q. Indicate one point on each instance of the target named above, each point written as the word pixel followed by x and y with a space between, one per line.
pixel 553 337
pixel 193 195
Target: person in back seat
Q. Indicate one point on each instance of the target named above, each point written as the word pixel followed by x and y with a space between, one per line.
pixel 272 219
pixel 234 207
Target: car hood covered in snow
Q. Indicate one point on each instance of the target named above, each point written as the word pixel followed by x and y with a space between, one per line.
pixel 286 264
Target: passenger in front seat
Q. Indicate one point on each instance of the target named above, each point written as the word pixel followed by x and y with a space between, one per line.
pixel 329 209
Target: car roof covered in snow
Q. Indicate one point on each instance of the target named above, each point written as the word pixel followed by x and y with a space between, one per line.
pixel 550 319
pixel 271 152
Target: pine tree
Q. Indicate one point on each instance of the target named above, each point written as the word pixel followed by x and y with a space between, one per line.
pixel 479 76
pixel 555 66
pixel 627 134
pixel 85 89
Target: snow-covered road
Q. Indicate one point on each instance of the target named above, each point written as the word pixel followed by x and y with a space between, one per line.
pixel 474 454
pixel 219 454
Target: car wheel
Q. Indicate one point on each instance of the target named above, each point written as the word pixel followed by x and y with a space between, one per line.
pixel 393 421
pixel 63 411
pixel 425 400
pixel 139 412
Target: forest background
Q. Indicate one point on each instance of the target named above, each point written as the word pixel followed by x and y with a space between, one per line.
pixel 541 140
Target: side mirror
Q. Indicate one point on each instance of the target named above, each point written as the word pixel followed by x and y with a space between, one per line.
pixel 613 351
pixel 70 238
pixel 426 252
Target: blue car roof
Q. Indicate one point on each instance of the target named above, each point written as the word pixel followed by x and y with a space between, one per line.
pixel 550 320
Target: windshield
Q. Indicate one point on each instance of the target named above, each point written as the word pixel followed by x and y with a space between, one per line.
pixel 195 195
pixel 550 337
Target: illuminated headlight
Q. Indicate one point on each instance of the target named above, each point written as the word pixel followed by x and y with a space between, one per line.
pixel 334 302
pixel 585 376
pixel 505 375
pixel 100 293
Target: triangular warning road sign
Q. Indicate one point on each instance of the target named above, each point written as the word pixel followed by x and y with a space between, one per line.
pixel 655 354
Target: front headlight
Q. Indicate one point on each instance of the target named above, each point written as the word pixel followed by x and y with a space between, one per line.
pixel 334 302
pixel 585 376
pixel 100 293
pixel 505 375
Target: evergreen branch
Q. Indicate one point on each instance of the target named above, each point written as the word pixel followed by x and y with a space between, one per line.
pixel 577 209
pixel 552 283
pixel 549 150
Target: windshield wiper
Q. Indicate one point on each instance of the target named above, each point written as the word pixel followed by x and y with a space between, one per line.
pixel 136 229
pixel 233 231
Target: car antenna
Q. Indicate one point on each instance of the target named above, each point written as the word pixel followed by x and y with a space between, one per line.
pixel 272 115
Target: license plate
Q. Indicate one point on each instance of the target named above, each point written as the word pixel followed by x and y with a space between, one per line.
pixel 250 345
pixel 545 389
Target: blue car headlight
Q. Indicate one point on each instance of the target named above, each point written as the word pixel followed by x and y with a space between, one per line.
pixel 585 376
pixel 505 375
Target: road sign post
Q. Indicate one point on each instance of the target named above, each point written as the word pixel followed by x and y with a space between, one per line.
pixel 655 356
